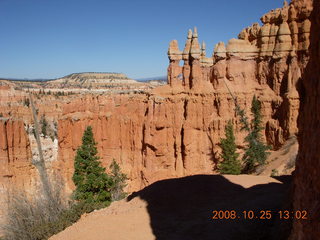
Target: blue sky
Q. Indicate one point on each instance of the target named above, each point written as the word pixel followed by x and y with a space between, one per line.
pixel 53 38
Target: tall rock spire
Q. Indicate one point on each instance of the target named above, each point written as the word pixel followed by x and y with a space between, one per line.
pixel 186 58
pixel 195 32
pixel 173 52
pixel 195 47
pixel 174 70
pixel 204 60
pixel 187 47
pixel 220 51
pixel 203 49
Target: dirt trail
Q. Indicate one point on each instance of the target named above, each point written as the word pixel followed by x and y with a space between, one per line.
pixel 182 209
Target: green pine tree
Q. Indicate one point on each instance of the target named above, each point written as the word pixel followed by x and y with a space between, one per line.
pixel 92 183
pixel 230 163
pixel 256 151
pixel 119 182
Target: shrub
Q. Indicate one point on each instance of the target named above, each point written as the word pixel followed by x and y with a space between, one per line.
pixel 38 218
pixel 274 173
pixel 26 102
pixel 34 132
pixel 118 182
pixel 33 218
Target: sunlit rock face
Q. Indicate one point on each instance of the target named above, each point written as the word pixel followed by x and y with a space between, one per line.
pixel 173 130
pixel 264 60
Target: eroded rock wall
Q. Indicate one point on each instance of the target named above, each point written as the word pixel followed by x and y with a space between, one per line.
pixel 175 130
pixel 158 135
pixel 307 181
pixel 272 56
pixel 16 170
pixel 14 146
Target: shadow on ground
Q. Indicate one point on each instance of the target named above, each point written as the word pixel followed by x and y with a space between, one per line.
pixel 181 209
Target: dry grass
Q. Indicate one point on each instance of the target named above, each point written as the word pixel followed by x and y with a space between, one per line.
pixel 29 218
pixel 38 218
pixel 39 215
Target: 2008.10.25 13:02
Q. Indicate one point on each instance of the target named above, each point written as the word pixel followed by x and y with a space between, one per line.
pixel 262 214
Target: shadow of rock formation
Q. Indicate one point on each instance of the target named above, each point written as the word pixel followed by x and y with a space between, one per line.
pixel 182 208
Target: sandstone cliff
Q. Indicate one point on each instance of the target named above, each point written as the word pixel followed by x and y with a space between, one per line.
pixel 174 130
pixel 271 57
pixel 307 181
pixel 14 146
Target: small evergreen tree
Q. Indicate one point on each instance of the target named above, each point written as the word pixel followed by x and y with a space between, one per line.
pixel 26 102
pixel 44 125
pixel 92 183
pixel 230 163
pixel 243 118
pixel 119 182
pixel 256 151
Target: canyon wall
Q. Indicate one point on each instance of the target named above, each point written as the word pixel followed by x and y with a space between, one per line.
pixel 307 181
pixel 156 136
pixel 272 56
pixel 15 161
pixel 173 130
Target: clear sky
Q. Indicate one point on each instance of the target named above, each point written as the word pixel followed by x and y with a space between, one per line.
pixel 53 38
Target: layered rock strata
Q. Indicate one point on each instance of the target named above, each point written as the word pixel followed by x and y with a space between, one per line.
pixel 175 130
pixel 272 56
pixel 154 136
pixel 307 181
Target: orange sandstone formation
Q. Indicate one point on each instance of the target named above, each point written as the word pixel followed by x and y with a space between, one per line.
pixel 14 146
pixel 175 130
pixel 271 57
pixel 175 133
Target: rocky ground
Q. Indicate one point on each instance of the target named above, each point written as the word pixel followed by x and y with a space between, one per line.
pixel 282 161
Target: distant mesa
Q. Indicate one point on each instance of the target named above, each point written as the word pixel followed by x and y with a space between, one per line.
pixel 76 76
pixel 94 78
pixel 154 81
pixel 86 80
pixel 159 78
